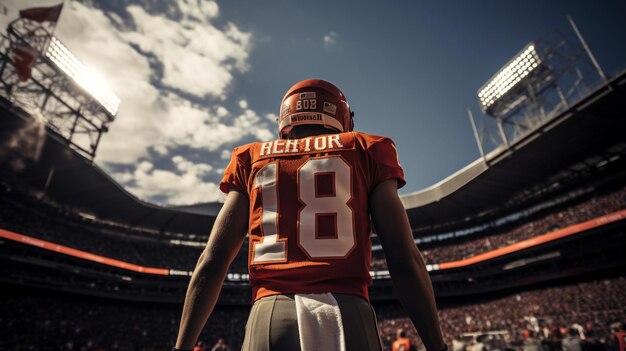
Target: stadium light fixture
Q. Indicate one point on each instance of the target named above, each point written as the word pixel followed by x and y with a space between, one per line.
pixel 510 76
pixel 94 84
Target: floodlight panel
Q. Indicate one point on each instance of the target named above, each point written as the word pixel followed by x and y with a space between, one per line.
pixel 509 76
pixel 95 85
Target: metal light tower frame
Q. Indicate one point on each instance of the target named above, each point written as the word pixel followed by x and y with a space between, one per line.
pixel 56 90
pixel 542 80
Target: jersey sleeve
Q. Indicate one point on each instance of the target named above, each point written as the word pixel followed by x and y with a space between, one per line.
pixel 237 172
pixel 384 159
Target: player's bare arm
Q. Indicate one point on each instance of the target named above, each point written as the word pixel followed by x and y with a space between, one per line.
pixel 405 262
pixel 206 282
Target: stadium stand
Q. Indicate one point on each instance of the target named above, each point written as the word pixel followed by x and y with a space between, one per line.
pixel 75 322
pixel 599 306
pixel 592 205
pixel 58 321
pixel 29 216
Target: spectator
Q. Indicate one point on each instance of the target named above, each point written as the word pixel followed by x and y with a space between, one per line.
pixel 531 343
pixel 572 341
pixel 220 345
pixel 617 340
pixel 459 344
pixel 479 345
pixel 199 346
pixel 402 343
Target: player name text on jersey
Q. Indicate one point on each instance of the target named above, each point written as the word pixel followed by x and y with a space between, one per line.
pixel 318 143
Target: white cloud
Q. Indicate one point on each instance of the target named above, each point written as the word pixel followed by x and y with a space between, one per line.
pixel 145 166
pixel 184 185
pixel 272 117
pixel 195 55
pixel 199 9
pixel 184 165
pixel 222 111
pixel 243 104
pixel 188 125
pixel 160 149
pixel 330 39
pixel 226 154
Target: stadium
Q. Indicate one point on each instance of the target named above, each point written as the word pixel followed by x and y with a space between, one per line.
pixel 522 245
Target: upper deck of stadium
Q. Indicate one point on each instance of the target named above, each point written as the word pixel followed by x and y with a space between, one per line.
pixel 586 135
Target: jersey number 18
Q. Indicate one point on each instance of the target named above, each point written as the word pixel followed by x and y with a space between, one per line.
pixel 330 209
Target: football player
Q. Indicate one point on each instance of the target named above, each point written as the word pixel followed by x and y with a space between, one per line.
pixel 308 200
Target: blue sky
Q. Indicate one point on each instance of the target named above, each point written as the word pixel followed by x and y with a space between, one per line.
pixel 197 78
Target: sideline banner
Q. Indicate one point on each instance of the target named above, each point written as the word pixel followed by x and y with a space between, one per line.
pixel 538 240
pixel 79 253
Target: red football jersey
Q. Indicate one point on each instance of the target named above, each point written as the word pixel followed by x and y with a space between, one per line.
pixel 309 220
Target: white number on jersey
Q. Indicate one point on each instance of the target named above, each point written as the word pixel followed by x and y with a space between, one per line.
pixel 332 208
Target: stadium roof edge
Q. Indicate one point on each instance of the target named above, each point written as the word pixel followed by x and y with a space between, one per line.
pixel 444 187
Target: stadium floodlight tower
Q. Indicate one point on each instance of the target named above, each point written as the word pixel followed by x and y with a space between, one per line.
pixel 74 102
pixel 513 86
pixel 509 87
pixel 547 76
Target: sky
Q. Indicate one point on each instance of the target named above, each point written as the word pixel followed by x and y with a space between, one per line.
pixel 197 78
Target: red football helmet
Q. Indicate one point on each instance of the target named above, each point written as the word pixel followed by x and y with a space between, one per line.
pixel 314 101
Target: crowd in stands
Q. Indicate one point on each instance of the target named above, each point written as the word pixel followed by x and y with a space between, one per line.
pixel 33 320
pixel 546 315
pixel 491 239
pixel 30 216
pixel 54 322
